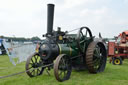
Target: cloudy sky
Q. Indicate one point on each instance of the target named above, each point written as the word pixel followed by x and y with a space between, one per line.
pixel 28 18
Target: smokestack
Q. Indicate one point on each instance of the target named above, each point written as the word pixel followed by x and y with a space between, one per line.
pixel 50 18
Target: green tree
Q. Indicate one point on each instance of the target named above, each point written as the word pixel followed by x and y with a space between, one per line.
pixel 35 38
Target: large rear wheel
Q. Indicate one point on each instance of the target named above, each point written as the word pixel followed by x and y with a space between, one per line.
pixel 96 57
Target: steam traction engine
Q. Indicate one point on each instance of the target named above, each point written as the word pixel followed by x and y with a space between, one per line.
pixel 63 52
pixel 118 50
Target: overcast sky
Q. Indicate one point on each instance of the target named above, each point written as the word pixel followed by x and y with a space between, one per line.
pixel 28 18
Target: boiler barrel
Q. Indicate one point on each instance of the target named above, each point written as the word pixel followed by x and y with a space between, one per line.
pixel 65 49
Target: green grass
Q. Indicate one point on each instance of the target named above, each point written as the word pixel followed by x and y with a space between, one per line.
pixel 113 75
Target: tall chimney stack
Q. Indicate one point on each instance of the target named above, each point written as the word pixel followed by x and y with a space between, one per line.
pixel 50 18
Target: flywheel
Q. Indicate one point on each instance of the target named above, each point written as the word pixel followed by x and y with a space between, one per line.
pixel 96 57
pixel 84 34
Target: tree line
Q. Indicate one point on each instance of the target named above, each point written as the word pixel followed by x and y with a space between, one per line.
pixel 35 38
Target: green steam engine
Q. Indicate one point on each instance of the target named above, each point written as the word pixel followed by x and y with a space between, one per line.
pixel 63 52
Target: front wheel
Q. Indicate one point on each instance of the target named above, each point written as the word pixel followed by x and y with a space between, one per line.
pixel 33 65
pixel 117 61
pixel 62 68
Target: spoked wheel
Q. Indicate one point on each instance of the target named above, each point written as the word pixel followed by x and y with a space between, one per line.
pixel 96 57
pixel 83 34
pixel 33 65
pixel 62 68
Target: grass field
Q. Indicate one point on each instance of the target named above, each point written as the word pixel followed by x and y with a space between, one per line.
pixel 113 75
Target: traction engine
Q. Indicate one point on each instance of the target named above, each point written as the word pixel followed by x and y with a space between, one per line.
pixel 62 52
